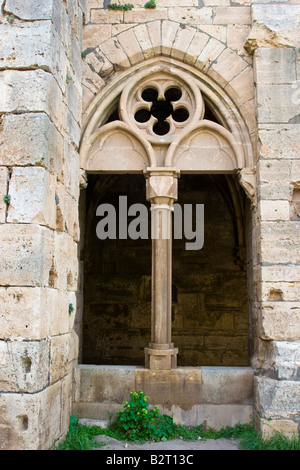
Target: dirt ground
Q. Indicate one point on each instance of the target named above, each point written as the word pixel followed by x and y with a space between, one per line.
pixel 174 445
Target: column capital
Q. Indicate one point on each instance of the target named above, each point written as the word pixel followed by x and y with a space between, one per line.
pixel 161 184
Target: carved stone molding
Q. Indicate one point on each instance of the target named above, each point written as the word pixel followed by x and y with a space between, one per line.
pixel 247 179
pixel 161 105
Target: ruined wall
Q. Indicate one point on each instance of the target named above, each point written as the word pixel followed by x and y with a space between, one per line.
pixel 40 107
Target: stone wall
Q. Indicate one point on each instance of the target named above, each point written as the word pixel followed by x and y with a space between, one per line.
pixel 275 42
pixel 40 83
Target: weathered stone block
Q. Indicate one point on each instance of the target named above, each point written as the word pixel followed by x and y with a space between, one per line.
pixel 30 139
pixel 182 41
pixel 277 399
pixel 280 60
pixel 227 385
pixel 74 98
pixel 275 104
pixel 102 383
pixel 24 366
pixel 280 320
pixel 25 254
pixel 232 15
pixel 227 66
pixel 131 46
pixel 285 427
pixel 63 351
pixel 274 210
pixel 143 15
pixel 236 37
pixel 23 416
pixel 274 179
pixel 73 129
pixel 242 87
pixel 35 45
pixel 65 263
pixel 275 25
pixel 286 357
pixel 154 31
pixel 168 34
pixel 92 36
pixel 31 91
pixel 70 172
pixel 34 313
pixel 208 54
pixel 3 192
pixel 191 15
pixel 277 273
pixel 279 290
pixel 21 313
pixel 105 16
pixel 33 9
pixel 66 212
pixel 143 38
pixel 32 191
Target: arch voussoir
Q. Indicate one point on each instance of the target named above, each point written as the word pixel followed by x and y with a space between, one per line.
pixel 167 38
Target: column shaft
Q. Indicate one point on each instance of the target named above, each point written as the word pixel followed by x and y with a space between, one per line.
pixel 161 191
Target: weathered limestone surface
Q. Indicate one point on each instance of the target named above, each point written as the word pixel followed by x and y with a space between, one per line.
pixel 40 83
pixel 219 396
pixel 274 38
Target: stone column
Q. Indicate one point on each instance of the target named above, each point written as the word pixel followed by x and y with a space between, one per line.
pixel 161 191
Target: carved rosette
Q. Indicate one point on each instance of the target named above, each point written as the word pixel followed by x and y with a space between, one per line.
pixel 161 106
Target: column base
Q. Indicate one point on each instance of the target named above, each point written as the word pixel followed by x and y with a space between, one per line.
pixel 161 359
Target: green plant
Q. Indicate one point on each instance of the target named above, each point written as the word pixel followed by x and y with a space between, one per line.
pixel 138 423
pixel 11 19
pixel 68 80
pixel 7 199
pixel 71 308
pixel 116 6
pixel 150 4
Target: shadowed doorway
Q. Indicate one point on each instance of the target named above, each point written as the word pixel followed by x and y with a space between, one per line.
pixel 209 294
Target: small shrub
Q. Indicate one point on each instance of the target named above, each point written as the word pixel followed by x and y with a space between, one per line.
pixel 140 424
pixel 71 308
pixel 150 4
pixel 7 199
